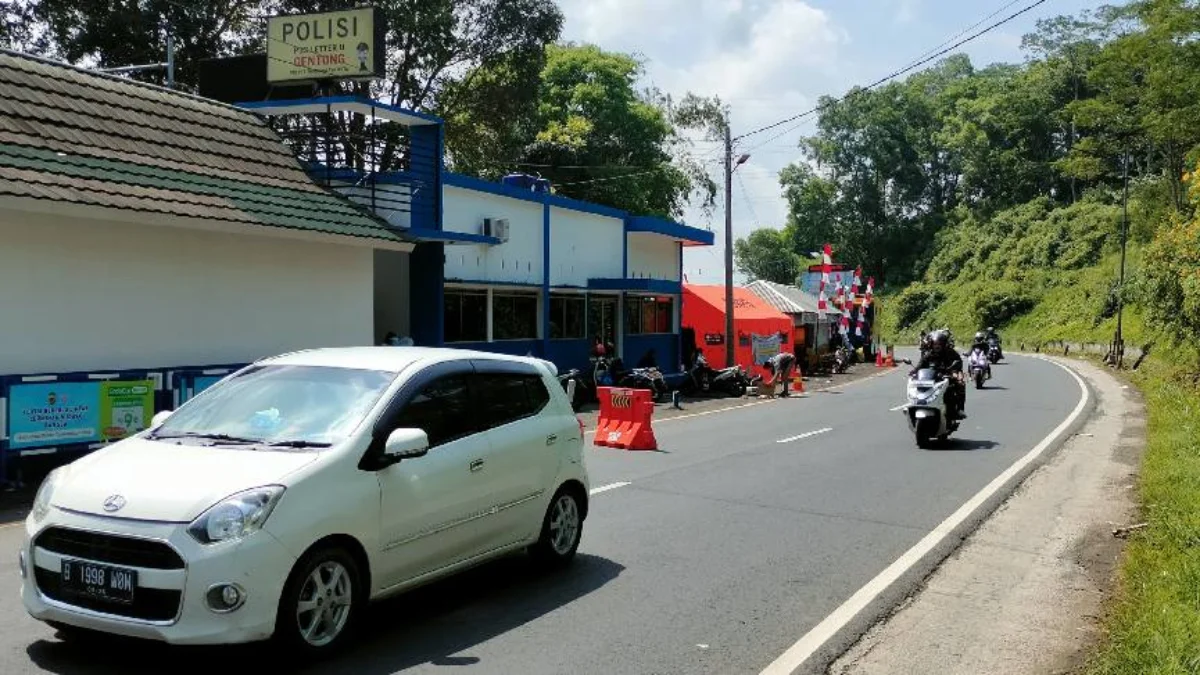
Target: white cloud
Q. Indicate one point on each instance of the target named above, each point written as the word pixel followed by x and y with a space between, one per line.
pixel 768 59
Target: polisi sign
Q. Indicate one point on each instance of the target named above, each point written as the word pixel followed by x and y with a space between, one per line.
pixel 346 45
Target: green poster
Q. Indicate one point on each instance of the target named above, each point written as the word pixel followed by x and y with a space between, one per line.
pixel 125 408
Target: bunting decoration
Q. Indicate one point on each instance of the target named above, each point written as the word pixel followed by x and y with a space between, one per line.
pixel 826 263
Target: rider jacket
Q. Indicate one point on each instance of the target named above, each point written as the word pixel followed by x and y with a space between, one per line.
pixel 945 363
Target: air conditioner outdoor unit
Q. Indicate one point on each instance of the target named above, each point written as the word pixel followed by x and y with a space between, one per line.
pixel 496 227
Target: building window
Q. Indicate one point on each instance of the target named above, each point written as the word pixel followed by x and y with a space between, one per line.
pixel 466 316
pixel 602 318
pixel 567 314
pixel 645 315
pixel 514 316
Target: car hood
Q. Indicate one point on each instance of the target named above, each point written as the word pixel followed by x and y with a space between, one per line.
pixel 167 482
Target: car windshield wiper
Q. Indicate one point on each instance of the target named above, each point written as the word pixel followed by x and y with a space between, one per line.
pixel 223 438
pixel 298 444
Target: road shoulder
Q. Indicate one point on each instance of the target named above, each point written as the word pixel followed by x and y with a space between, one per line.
pixel 1025 591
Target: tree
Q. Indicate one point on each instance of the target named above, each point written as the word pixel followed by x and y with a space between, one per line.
pixel 767 254
pixel 591 133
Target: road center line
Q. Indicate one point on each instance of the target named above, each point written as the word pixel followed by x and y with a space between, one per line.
pixel 606 488
pixel 813 640
pixel 810 434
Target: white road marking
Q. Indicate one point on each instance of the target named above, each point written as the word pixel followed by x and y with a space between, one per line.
pixel 606 488
pixel 810 434
pixel 902 406
pixel 806 646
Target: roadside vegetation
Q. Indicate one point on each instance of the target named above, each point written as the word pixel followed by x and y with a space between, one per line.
pixel 995 197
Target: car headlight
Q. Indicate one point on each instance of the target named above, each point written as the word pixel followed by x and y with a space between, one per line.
pixel 41 502
pixel 236 516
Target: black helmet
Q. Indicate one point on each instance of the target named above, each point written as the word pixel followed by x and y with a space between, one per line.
pixel 979 336
pixel 941 339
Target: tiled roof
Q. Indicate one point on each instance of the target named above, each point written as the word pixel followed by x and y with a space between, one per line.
pixel 69 135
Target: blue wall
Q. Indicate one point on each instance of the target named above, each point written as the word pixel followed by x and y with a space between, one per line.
pixel 567 354
pixel 427 304
pixel 510 347
pixel 666 349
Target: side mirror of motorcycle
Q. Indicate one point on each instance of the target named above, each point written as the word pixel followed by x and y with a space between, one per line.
pixel 906 362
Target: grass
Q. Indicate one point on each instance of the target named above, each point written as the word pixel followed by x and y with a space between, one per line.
pixel 1153 627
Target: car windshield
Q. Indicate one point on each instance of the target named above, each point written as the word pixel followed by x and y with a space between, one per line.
pixel 289 406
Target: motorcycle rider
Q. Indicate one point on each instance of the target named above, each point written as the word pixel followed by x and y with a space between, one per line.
pixel 946 362
pixel 980 342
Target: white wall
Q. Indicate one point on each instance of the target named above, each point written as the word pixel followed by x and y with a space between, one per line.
pixel 392 294
pixel 584 246
pixel 92 294
pixel 519 260
pixel 653 256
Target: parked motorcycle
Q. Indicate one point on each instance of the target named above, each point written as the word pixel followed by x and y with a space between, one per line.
pixel 699 377
pixel 979 366
pixel 732 381
pixel 841 360
pixel 926 409
pixel 646 378
pixel 572 383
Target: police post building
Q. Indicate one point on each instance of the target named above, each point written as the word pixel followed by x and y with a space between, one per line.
pixel 153 241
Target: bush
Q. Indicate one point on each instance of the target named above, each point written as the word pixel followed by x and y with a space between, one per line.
pixel 1001 303
pixel 914 303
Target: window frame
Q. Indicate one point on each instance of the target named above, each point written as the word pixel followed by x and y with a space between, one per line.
pixel 582 299
pixel 642 301
pixel 446 293
pixel 498 293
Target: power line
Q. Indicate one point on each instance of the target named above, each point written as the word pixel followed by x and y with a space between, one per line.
pixel 907 69
pixel 749 203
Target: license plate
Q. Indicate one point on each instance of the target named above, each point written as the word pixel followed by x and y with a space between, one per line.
pixel 102 582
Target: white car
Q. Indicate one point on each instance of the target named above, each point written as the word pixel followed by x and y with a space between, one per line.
pixel 284 498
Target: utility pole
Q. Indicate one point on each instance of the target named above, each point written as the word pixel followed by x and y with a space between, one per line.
pixel 729 336
pixel 1119 340
pixel 168 66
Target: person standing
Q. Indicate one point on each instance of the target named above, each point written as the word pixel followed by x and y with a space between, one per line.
pixel 780 367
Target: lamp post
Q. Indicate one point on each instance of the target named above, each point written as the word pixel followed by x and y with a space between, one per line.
pixel 730 165
pixel 1119 339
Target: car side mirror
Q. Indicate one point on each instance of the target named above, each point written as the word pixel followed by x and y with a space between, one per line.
pixel 404 444
pixel 160 417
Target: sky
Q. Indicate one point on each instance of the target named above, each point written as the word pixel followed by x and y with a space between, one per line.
pixel 770 59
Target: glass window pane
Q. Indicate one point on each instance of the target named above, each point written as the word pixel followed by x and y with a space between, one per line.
pixel 573 319
pixel 664 316
pixel 633 315
pixel 442 410
pixel 514 316
pixel 465 316
pixel 508 398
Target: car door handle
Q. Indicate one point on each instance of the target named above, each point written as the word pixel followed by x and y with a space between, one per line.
pixel 477 465
pixel 551 439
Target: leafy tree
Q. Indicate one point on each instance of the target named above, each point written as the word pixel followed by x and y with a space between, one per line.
pixel 767 255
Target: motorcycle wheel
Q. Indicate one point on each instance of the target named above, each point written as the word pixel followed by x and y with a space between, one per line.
pixel 924 437
pixel 979 379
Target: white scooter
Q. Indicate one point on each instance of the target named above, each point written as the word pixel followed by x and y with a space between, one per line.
pixel 979 366
pixel 926 409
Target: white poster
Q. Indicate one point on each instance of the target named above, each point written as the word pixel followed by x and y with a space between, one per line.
pixel 764 347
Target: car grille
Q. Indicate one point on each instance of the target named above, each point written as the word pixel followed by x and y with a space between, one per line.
pixel 108 548
pixel 149 604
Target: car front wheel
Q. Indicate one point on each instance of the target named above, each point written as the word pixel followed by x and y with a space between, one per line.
pixel 561 530
pixel 320 602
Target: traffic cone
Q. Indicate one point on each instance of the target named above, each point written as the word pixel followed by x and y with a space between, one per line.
pixel 878 359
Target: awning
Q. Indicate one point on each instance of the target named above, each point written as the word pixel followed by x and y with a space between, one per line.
pixel 689 236
pixel 355 104
pixel 452 238
pixel 660 286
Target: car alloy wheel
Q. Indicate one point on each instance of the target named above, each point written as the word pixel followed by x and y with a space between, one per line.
pixel 564 524
pixel 324 604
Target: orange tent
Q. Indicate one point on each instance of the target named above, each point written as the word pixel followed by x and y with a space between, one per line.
pixel 704 312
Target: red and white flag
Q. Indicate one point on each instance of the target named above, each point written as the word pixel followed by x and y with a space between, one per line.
pixel 826 263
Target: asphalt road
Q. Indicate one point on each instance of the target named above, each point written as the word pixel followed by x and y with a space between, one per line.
pixel 713 555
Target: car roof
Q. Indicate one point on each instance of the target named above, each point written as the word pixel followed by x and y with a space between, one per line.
pixel 392 359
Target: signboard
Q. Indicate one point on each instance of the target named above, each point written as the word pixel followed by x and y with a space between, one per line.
pixel 346 45
pixel 199 384
pixel 67 413
pixel 765 347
